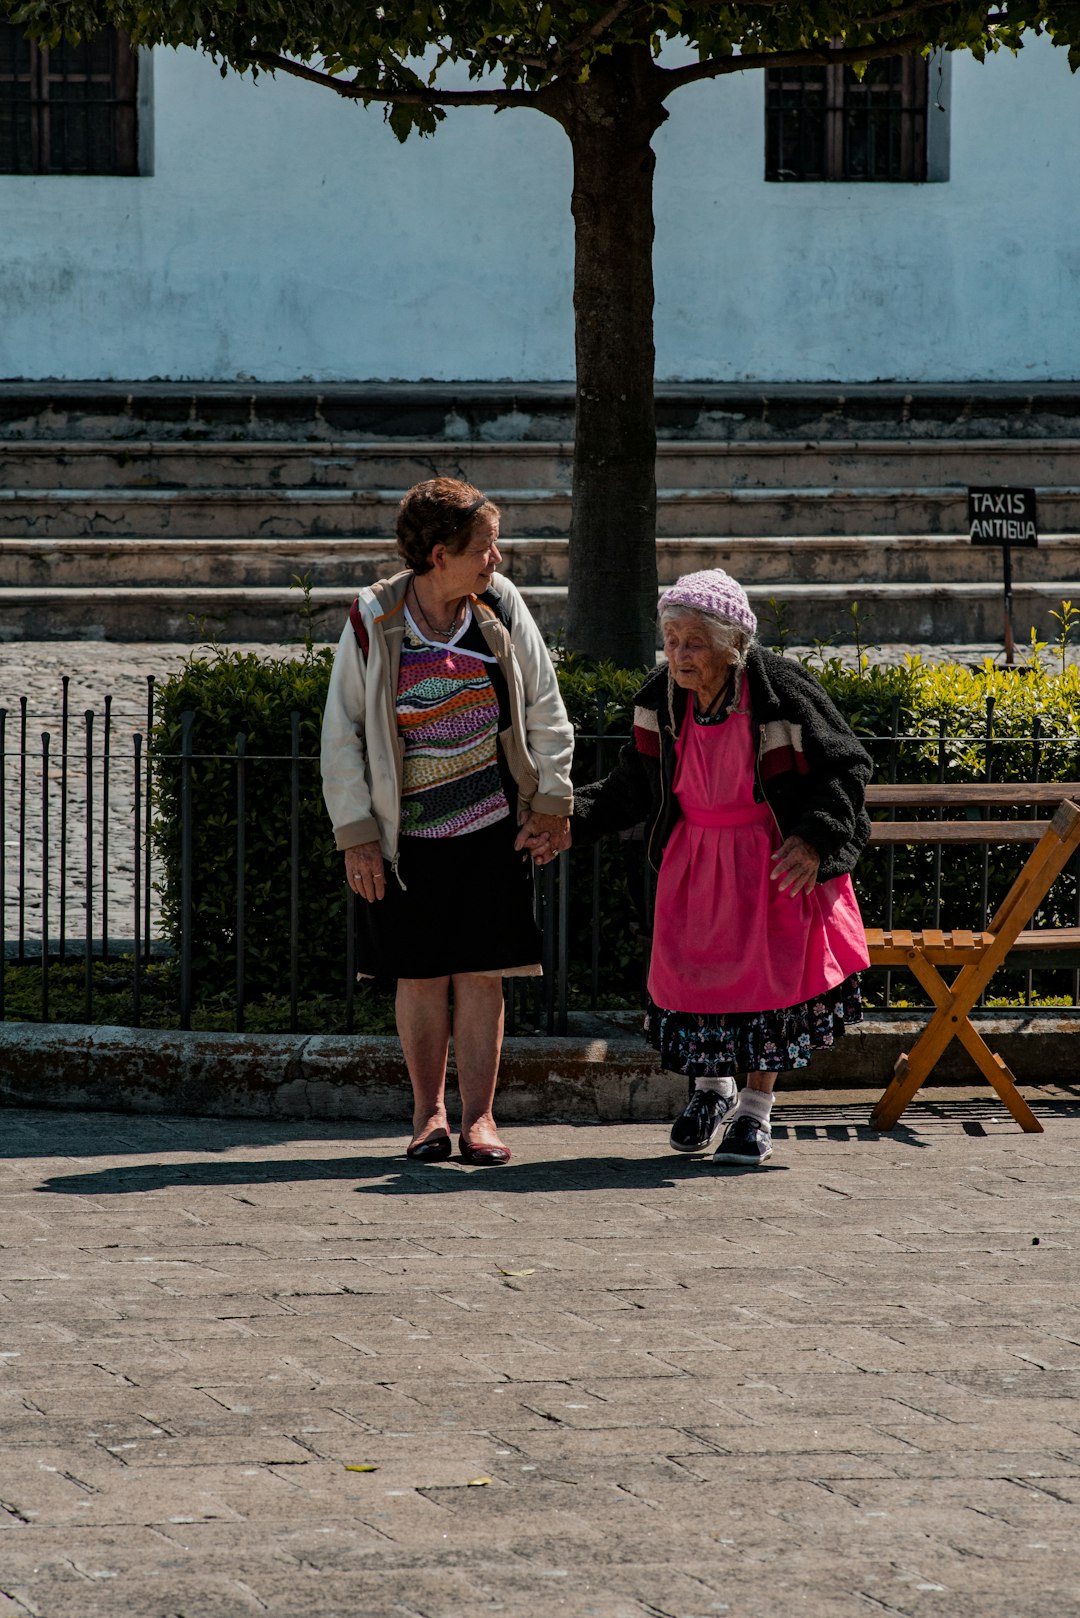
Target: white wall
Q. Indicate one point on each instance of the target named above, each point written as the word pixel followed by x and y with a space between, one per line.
pixel 287 236
pixel 974 278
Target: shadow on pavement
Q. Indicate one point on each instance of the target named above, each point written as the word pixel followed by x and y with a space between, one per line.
pixel 385 1172
pixel 388 1175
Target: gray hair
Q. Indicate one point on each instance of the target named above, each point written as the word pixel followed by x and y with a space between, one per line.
pixel 720 632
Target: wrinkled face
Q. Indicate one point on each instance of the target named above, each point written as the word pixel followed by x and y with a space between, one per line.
pixel 695 663
pixel 470 572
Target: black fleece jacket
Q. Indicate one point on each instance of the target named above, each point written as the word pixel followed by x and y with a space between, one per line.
pixel 810 769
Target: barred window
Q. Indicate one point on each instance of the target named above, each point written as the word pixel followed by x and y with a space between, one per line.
pixel 824 123
pixel 67 109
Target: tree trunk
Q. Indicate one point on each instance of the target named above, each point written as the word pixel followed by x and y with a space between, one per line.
pixel 611 119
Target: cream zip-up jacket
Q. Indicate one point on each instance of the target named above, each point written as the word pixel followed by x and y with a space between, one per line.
pixel 362 752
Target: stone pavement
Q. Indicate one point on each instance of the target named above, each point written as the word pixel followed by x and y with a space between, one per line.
pixel 275 1369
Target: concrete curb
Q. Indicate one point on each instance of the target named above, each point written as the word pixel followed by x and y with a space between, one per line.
pixel 605 1074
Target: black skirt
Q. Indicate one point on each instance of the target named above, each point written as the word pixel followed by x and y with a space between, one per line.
pixel 713 1045
pixel 464 904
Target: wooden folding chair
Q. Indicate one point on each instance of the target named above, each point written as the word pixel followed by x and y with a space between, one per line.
pixel 978 955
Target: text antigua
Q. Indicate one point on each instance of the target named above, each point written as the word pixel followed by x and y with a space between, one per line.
pixel 1004 530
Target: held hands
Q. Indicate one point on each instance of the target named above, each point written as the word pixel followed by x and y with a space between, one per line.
pixel 364 870
pixel 544 836
pixel 795 867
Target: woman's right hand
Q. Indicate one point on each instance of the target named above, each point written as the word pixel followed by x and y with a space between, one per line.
pixel 364 870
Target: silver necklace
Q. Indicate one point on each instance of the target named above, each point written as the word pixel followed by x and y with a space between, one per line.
pixel 441 634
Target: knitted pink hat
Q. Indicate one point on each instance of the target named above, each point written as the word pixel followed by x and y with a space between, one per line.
pixel 712 591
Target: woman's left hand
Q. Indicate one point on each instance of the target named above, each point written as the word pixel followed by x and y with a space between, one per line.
pixel 544 836
pixel 795 867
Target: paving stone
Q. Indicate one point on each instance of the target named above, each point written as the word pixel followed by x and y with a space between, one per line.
pixel 742 1395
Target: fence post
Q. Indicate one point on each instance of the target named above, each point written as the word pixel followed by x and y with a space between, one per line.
pixel 350 960
pixel 890 857
pixel 22 829
pixel 241 863
pixel 594 943
pixel 65 682
pixel 45 739
pixel 88 928
pixel 187 721
pixel 147 834
pixel 988 776
pixel 3 859
pixel 294 884
pixel 106 755
pixel 938 813
pixel 547 890
pixel 136 822
pixel 1036 762
pixel 563 863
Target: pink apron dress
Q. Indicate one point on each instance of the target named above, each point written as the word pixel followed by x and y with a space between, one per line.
pixel 725 938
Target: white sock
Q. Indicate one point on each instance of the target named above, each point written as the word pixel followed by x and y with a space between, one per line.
pixel 754 1104
pixel 723 1086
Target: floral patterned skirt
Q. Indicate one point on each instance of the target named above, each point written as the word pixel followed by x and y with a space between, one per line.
pixel 713 1045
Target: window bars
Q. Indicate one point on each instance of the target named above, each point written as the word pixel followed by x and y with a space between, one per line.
pixel 67 109
pixel 825 123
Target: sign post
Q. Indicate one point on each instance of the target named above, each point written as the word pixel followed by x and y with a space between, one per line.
pixel 1006 517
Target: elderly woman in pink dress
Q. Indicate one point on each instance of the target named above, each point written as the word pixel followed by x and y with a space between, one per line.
pixel 751 787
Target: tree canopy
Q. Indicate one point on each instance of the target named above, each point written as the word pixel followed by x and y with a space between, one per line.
pixel 517 51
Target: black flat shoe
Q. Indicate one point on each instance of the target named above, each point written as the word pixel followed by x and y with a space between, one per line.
pixel 435 1149
pixel 482 1156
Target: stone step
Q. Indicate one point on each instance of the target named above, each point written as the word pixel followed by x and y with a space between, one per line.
pixel 341 563
pixel 275 466
pixel 301 513
pixel 69 465
pixel 944 614
pixel 501 412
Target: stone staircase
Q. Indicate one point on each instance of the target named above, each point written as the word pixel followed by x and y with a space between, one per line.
pixel 169 514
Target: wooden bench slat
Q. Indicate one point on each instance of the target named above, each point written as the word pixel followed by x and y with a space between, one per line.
pixel 1049 938
pixel 968 794
pixel 957 831
pixel 958 947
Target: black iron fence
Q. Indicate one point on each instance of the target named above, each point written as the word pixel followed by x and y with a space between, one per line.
pixel 82 882
pixel 96 887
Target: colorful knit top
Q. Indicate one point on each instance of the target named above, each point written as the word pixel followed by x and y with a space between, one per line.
pixel 448 719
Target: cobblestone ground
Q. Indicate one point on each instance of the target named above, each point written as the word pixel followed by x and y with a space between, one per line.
pixel 97 669
pixel 276 1369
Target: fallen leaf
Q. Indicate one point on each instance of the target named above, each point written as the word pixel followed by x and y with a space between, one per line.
pixel 476 1483
pixel 517 1272
pixel 361 1468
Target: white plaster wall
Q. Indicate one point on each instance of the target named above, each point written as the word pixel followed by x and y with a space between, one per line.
pixel 286 236
pixel 974 278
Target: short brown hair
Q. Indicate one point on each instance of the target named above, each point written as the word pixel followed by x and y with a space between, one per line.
pixel 440 511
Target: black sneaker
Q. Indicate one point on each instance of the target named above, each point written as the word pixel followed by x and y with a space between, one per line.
pixel 746 1140
pixel 700 1121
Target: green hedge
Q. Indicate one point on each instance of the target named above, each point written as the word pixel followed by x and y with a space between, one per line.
pixel 231 692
